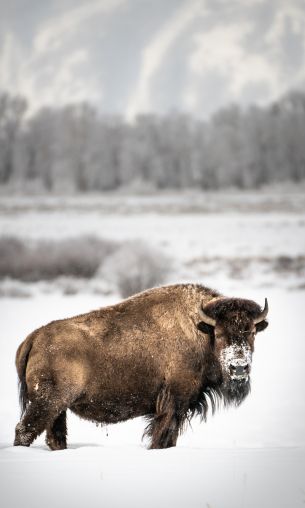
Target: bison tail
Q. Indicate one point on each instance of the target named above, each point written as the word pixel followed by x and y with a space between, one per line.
pixel 22 356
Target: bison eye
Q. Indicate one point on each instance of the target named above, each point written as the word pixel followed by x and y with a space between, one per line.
pixel 205 328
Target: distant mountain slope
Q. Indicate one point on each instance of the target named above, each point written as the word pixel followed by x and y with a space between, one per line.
pixel 131 56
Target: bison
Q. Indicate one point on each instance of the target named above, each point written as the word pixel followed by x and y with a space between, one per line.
pixel 167 354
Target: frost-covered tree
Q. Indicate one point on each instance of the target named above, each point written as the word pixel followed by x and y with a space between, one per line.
pixel 76 148
pixel 12 110
pixel 39 145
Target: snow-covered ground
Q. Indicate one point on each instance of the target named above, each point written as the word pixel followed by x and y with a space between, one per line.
pixel 204 246
pixel 253 456
pixel 185 236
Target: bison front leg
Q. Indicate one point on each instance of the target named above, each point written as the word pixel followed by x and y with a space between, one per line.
pixel 165 425
pixel 164 432
pixel 56 437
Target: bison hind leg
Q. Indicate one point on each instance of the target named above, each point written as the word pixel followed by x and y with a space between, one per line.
pixel 56 437
pixel 165 424
pixel 45 410
pixel 33 423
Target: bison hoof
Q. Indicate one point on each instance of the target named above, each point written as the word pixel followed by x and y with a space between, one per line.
pixel 56 444
pixel 18 442
pixel 22 437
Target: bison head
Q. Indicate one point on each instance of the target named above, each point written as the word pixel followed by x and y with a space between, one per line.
pixel 232 324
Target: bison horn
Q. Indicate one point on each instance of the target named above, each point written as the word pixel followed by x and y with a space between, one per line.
pixel 263 314
pixel 205 318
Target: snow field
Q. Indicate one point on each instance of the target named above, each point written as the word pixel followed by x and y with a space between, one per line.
pixel 246 457
pixel 250 457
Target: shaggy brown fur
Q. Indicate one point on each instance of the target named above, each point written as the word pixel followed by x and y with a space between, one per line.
pixel 149 355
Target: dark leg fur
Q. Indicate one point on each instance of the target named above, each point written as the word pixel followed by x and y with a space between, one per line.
pixel 56 437
pixel 33 423
pixel 42 412
pixel 166 423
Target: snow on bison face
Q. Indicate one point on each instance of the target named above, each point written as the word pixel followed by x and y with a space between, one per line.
pixel 236 359
pixel 233 323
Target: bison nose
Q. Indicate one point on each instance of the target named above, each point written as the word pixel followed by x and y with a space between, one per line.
pixel 239 370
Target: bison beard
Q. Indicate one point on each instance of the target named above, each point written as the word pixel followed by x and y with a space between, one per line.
pixel 228 393
pixel 235 391
pixel 155 355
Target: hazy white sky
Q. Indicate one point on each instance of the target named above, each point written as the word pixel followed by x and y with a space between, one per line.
pixel 131 56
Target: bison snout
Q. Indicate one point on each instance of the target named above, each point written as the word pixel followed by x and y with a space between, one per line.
pixel 239 371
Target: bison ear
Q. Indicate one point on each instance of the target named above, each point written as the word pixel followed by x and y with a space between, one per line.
pixel 261 326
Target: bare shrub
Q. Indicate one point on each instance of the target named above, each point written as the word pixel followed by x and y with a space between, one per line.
pixel 135 267
pixel 289 264
pixel 10 288
pixel 237 267
pixel 13 253
pixel 45 260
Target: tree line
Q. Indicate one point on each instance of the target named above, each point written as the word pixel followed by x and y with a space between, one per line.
pixel 76 148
